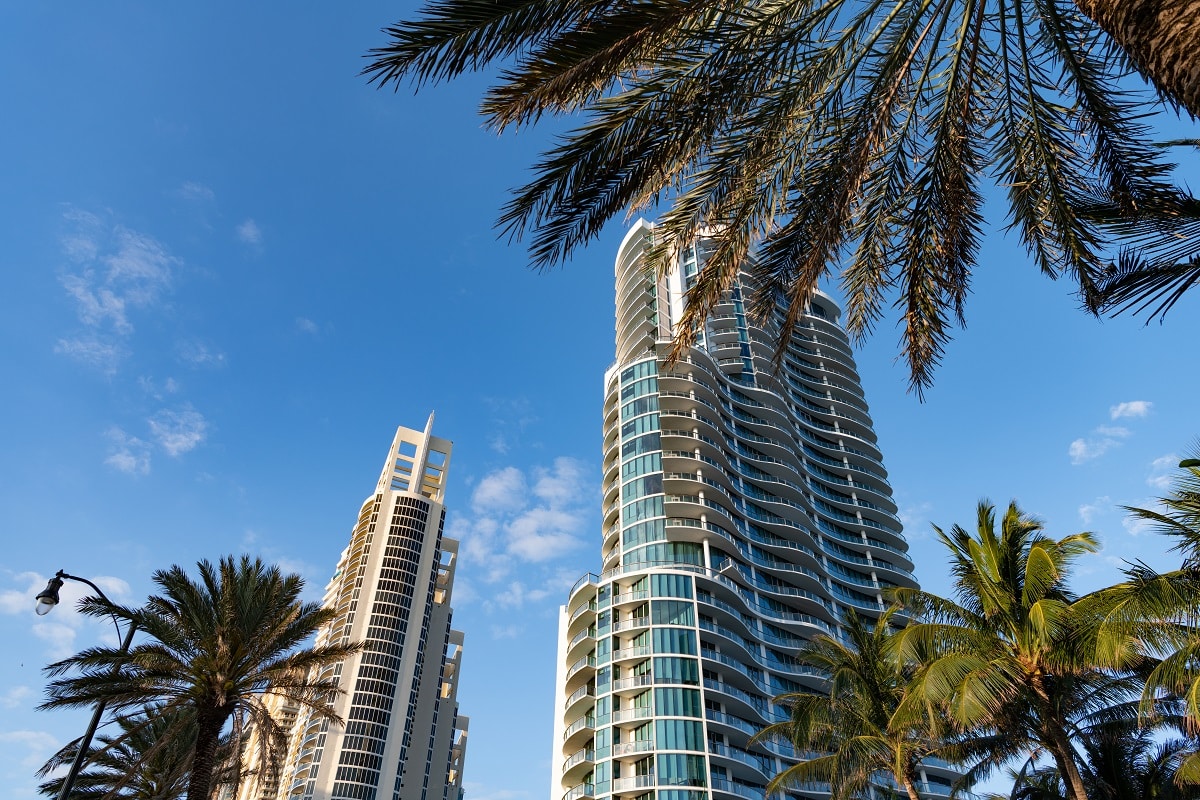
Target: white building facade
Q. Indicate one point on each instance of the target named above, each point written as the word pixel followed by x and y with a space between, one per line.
pixel 402 737
pixel 746 509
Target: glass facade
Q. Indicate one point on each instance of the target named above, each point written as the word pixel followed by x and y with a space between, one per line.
pixel 746 509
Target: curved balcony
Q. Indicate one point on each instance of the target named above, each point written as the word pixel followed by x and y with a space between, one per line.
pixel 586 663
pixel 579 792
pixel 581 760
pixel 579 731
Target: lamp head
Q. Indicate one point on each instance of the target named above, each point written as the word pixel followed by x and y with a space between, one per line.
pixel 48 598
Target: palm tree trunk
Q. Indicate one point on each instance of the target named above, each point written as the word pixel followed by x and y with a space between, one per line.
pixel 1054 737
pixel 208 730
pixel 1160 38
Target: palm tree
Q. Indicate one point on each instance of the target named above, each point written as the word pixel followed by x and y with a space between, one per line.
pixel 147 758
pixel 1121 762
pixel 211 649
pixel 835 132
pixel 861 729
pixel 1157 615
pixel 1009 654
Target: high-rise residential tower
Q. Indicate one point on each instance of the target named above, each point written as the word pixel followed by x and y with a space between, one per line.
pixel 402 737
pixel 746 509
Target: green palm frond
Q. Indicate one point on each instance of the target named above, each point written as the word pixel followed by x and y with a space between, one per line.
pixel 209 649
pixel 827 134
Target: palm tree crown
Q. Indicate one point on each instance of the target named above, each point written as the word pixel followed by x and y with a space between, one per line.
pixel 210 648
pixel 862 730
pixel 1157 615
pixel 146 758
pixel 835 132
pixel 1010 652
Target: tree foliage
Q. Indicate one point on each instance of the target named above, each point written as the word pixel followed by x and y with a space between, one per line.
pixel 857 136
pixel 210 649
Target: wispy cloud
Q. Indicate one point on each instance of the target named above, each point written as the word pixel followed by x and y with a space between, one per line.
pixel 306 325
pixel 915 519
pixel 37 746
pixel 511 416
pixel 525 518
pixel 506 631
pixel 104 356
pixel 1088 511
pixel 127 454
pixel 158 390
pixel 178 431
pixel 1162 471
pixel 60 630
pixel 1102 439
pixel 15 697
pixel 249 233
pixel 114 271
pixel 1136 526
pixel 196 192
pixel 1133 408
pixel 196 353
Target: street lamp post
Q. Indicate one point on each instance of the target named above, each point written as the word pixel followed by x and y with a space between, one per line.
pixel 47 600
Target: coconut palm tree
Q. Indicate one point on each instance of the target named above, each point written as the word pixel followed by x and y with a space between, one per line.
pixel 856 134
pixel 1157 615
pixel 1009 655
pixel 861 729
pixel 210 649
pixel 1122 761
pixel 145 758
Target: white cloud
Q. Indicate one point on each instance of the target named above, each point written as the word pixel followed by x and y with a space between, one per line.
pixel 1136 526
pixel 523 520
pixel 1115 431
pixel 249 233
pixel 199 354
pixel 1162 471
pixel 501 491
pixel 506 631
pixel 1088 511
pixel 511 417
pixel 1099 442
pixel 191 190
pixel 60 629
pixel 306 325
pixel 543 534
pixel 155 390
pixel 117 271
pixel 15 696
pixel 97 304
pixel 102 355
pixel 38 745
pixel 179 431
pixel 1133 408
pixel 21 601
pixel 128 454
pixel 58 636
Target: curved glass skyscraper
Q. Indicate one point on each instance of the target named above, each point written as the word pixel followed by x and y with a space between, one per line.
pixel 746 509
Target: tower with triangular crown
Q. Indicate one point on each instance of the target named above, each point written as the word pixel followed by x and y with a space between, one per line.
pixel 402 737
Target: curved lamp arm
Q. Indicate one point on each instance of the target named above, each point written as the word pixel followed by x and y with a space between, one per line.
pixel 46 600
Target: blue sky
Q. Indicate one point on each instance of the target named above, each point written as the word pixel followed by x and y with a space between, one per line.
pixel 233 269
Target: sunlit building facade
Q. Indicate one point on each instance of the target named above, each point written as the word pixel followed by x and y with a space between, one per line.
pixel 746 509
pixel 402 736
